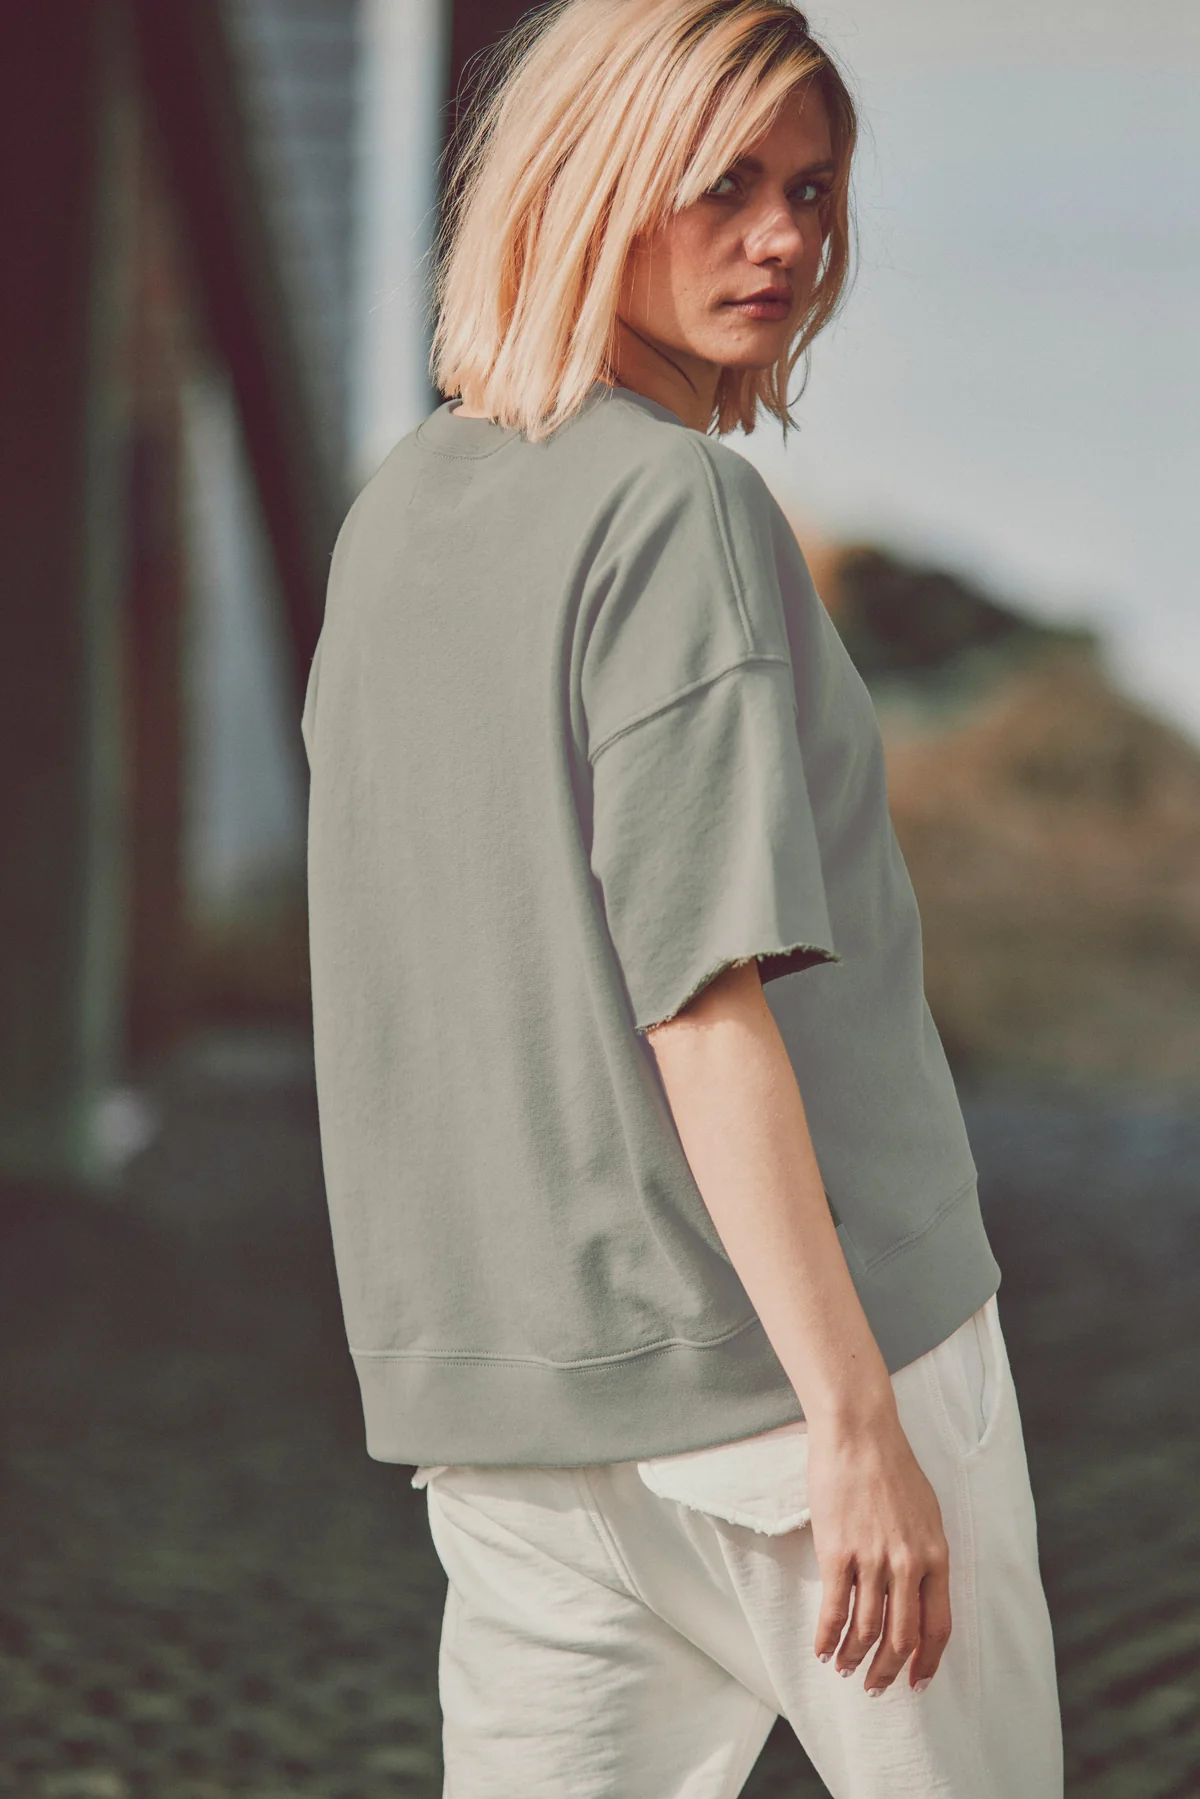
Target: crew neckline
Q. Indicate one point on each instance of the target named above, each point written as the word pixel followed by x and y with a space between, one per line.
pixel 445 432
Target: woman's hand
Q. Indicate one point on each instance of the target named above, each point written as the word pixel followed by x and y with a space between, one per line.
pixel 877 1532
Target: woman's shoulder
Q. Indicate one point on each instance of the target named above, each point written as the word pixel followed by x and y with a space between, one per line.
pixel 640 468
pixel 667 450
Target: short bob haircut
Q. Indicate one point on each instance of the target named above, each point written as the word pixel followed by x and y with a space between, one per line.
pixel 599 119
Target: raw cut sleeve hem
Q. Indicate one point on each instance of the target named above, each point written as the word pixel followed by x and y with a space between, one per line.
pixel 772 966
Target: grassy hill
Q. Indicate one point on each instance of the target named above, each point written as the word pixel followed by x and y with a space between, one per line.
pixel 1051 826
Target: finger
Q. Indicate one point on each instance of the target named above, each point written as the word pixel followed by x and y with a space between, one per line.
pixel 935 1624
pixel 837 1585
pixel 867 1620
pixel 901 1632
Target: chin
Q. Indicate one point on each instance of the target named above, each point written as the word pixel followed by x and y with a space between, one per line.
pixel 749 358
pixel 749 365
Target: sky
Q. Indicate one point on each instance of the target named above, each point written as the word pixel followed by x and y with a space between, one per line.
pixel 1013 388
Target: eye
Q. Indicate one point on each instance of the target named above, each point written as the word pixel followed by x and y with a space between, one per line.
pixel 810 193
pixel 713 190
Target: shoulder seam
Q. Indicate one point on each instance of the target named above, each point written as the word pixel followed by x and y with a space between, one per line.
pixel 723 532
pixel 754 660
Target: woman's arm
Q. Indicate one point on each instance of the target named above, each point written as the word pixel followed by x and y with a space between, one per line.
pixel 876 1524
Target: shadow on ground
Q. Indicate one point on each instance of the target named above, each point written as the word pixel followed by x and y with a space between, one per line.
pixel 210 1590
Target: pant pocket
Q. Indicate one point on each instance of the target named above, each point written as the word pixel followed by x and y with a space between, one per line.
pixel 760 1481
pixel 968 1370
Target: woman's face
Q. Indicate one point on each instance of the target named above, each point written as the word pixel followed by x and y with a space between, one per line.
pixel 686 286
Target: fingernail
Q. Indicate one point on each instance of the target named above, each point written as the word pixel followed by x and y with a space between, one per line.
pixel 824 1657
pixel 874 1692
pixel 920 1685
pixel 845 1672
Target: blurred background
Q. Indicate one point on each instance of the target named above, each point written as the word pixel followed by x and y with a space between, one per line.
pixel 216 219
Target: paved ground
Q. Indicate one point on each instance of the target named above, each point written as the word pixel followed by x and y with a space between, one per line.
pixel 208 1590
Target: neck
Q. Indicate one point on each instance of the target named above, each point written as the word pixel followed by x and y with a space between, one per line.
pixel 685 385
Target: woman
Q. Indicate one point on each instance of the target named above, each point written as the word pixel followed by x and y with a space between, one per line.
pixel 654 1216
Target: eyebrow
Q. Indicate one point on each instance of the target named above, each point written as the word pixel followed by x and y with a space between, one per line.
pixel 754 167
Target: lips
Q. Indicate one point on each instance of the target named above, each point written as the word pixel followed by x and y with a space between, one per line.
pixel 773 303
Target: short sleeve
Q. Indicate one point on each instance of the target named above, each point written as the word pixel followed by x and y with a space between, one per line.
pixel 704 842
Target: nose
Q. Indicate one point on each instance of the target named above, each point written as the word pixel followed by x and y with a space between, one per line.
pixel 776 235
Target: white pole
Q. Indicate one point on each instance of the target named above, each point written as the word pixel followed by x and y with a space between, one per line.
pixel 404 47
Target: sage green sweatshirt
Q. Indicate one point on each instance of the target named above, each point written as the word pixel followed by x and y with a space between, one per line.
pixel 581 734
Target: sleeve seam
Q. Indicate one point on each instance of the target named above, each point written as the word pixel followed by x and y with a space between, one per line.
pixel 723 533
pixel 685 692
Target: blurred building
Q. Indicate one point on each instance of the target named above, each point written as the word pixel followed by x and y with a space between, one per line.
pixel 216 218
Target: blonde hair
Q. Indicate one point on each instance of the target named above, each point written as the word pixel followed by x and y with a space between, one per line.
pixel 602 117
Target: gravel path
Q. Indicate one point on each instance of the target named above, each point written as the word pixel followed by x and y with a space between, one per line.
pixel 209 1590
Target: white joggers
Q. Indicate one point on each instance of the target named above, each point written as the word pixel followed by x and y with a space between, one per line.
pixel 604 1641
